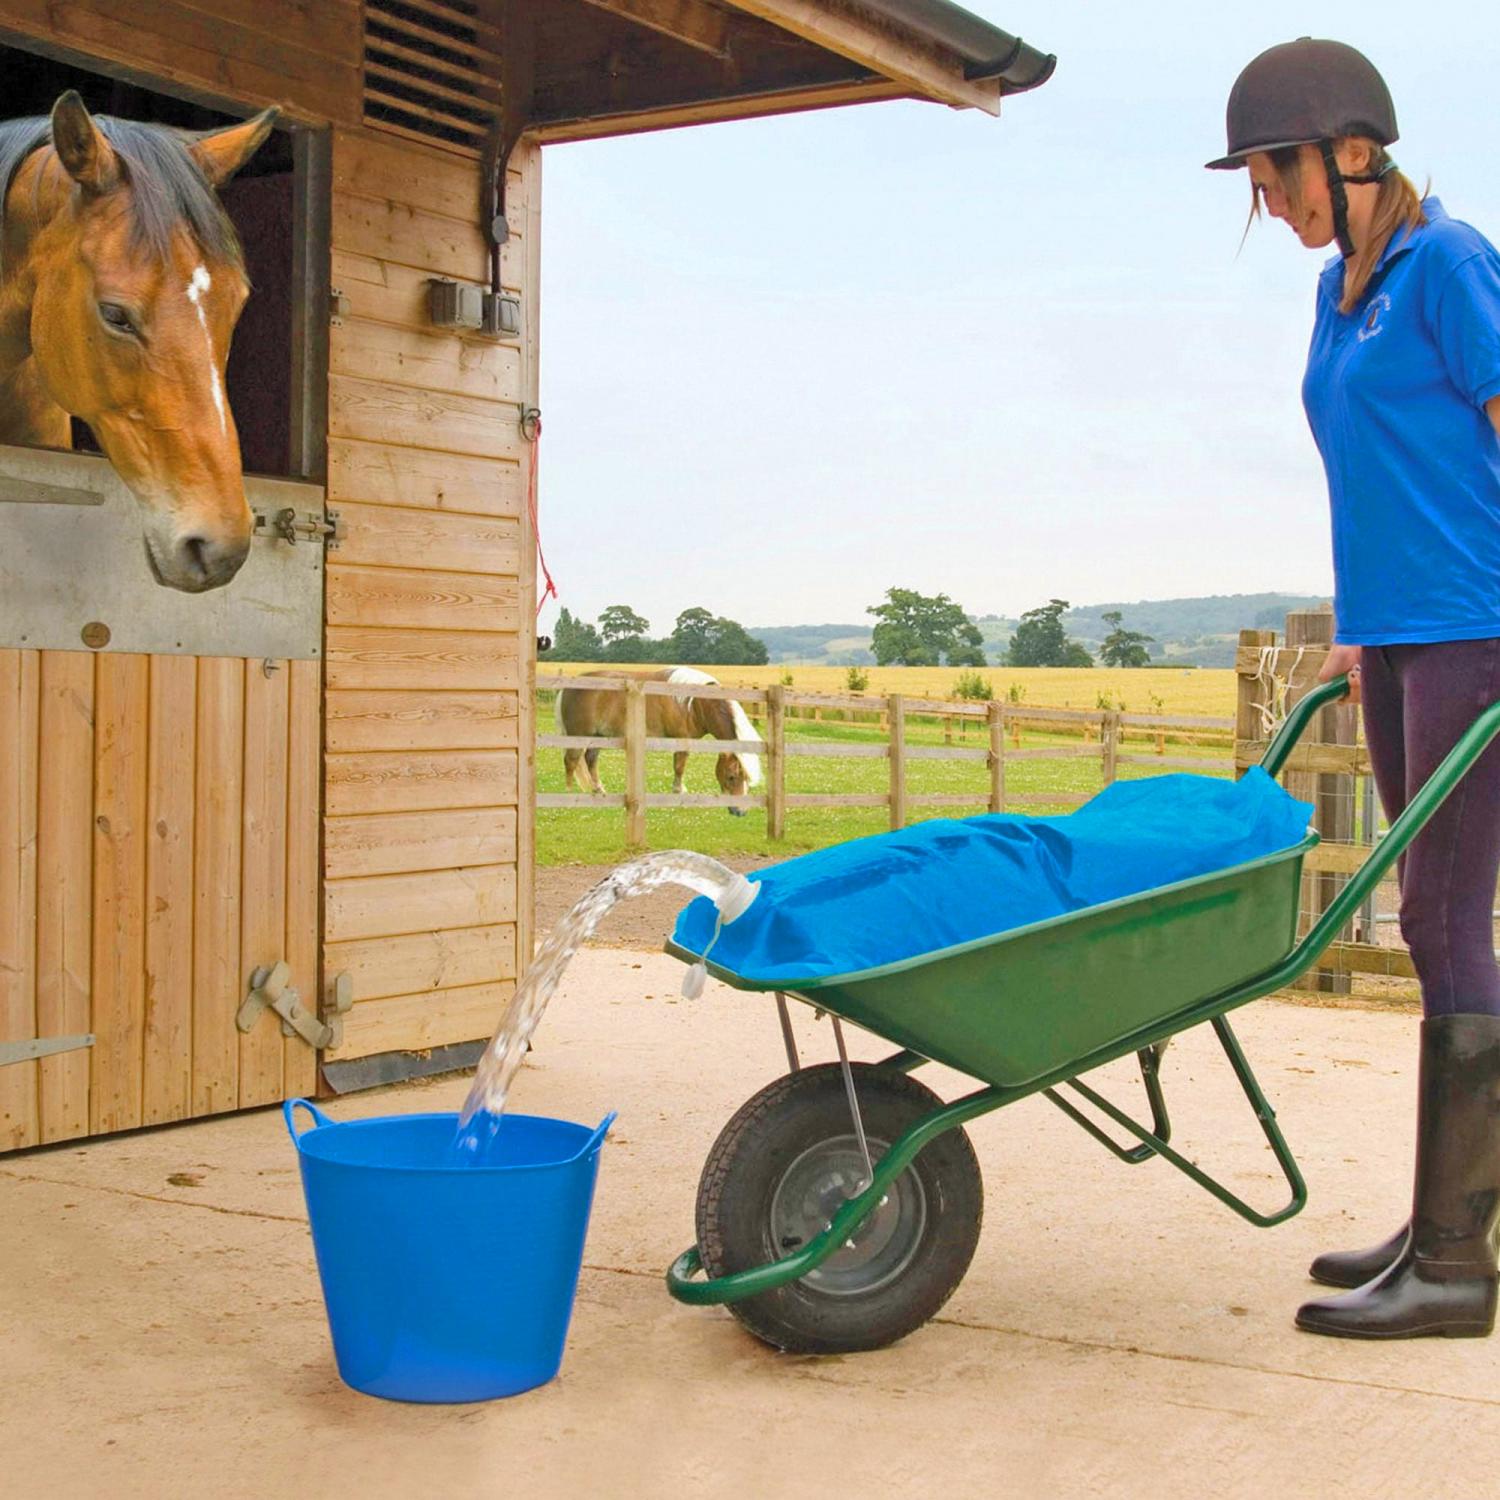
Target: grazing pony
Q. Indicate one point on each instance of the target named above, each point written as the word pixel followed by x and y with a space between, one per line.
pixel 601 711
pixel 121 281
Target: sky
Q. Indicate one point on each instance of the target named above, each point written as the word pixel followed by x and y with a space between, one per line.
pixel 788 364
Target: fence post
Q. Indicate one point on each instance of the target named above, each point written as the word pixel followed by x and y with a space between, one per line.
pixel 896 711
pixel 635 765
pixel 1109 739
pixel 1248 726
pixel 1331 794
pixel 776 770
pixel 997 757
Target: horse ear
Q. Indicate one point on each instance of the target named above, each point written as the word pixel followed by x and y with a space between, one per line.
pixel 87 157
pixel 222 153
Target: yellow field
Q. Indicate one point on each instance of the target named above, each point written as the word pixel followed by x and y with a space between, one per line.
pixel 1188 691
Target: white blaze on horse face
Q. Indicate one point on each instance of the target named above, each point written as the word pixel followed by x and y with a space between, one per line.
pixel 201 281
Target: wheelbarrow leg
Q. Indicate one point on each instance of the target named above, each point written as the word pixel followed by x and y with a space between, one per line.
pixel 1149 1059
pixel 1158 1144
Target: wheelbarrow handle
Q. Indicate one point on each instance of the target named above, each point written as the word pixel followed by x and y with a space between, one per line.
pixel 1285 739
pixel 1472 743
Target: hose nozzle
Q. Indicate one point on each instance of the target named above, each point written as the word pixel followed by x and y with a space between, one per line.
pixel 736 898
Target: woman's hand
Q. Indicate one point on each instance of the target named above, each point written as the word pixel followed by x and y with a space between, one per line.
pixel 1343 659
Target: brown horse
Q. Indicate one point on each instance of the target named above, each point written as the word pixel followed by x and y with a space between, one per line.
pixel 601 711
pixel 121 281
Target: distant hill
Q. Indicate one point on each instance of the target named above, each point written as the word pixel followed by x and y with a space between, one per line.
pixel 1188 632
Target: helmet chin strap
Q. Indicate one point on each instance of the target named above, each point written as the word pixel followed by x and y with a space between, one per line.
pixel 1340 199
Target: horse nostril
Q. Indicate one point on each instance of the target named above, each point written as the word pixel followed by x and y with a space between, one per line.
pixel 195 552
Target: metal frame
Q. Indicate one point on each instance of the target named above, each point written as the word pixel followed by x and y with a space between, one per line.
pixel 1147 1043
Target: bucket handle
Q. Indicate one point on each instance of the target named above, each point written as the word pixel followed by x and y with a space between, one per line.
pixel 595 1140
pixel 288 1113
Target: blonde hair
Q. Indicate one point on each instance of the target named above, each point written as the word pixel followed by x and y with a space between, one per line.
pixel 1398 206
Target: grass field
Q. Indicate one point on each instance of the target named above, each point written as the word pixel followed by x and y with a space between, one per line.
pixel 596 836
pixel 1167 690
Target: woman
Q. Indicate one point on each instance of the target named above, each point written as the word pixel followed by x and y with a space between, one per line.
pixel 1403 395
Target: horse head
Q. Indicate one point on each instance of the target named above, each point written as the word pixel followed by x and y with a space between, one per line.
pixel 734 779
pixel 138 285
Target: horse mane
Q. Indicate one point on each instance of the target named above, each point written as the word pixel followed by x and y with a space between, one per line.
pixel 169 189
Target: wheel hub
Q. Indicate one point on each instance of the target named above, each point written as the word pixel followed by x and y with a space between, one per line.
pixel 812 1190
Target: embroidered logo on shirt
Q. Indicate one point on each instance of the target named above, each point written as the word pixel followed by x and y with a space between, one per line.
pixel 1380 304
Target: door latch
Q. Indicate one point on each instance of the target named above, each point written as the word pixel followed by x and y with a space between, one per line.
pixel 294 526
pixel 270 989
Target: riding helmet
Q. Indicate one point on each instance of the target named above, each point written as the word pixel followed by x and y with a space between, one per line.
pixel 1304 92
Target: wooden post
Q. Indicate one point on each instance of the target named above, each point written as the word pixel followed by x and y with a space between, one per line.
pixel 776 769
pixel 1331 794
pixel 896 712
pixel 1248 725
pixel 997 757
pixel 1109 739
pixel 635 765
pixel 947 729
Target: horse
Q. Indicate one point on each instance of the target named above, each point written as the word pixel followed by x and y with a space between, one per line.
pixel 121 281
pixel 601 711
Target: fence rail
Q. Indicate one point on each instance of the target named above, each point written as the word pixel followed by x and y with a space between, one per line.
pixel 1103 731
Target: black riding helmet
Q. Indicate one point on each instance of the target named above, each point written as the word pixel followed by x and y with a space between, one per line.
pixel 1309 93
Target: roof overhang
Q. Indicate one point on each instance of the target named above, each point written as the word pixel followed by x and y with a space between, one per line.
pixel 591 68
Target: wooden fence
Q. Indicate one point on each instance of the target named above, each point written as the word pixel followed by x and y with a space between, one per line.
pixel 1331 769
pixel 1104 734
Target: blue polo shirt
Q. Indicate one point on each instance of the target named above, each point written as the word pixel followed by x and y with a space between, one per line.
pixel 1395 394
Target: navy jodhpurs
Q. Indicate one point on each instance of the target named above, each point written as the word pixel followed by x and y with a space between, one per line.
pixel 1418 700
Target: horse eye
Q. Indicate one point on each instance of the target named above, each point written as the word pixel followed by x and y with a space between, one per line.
pixel 116 317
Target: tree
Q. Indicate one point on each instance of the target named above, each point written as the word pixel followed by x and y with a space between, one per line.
pixel 575 640
pixel 620 623
pixel 692 636
pixel 711 640
pixel 1124 648
pixel 918 630
pixel 1041 641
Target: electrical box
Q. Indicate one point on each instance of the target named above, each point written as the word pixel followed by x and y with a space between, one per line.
pixel 456 304
pixel 453 304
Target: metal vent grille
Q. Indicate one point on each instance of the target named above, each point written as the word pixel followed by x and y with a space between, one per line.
pixel 432 72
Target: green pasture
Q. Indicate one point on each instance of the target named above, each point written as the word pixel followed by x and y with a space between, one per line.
pixel 567 835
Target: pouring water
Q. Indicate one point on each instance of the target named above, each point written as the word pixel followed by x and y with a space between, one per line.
pixel 730 892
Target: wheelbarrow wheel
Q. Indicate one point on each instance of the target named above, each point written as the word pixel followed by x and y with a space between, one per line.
pixel 783 1165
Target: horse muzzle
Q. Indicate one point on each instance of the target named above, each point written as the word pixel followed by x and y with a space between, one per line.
pixel 195 563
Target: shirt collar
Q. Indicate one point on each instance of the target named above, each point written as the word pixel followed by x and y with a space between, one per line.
pixel 1398 244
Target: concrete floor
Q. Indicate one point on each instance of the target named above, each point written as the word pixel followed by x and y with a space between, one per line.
pixel 1119 1332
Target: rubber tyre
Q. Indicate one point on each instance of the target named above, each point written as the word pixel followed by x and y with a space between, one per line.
pixel 753 1155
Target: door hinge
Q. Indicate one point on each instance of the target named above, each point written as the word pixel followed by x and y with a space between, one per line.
pixel 270 989
pixel 42 1046
pixel 294 526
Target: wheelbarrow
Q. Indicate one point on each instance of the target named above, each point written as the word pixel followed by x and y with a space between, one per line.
pixel 840 1206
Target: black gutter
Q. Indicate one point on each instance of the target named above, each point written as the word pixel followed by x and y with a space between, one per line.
pixel 987 52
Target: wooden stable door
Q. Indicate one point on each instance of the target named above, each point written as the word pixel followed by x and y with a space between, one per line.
pixel 158 844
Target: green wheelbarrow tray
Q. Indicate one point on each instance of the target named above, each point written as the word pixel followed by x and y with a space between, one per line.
pixel 1031 1009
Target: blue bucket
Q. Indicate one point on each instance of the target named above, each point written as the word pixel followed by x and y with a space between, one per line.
pixel 443 1281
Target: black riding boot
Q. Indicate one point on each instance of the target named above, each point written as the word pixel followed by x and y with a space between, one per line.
pixel 1351 1268
pixel 1444 1279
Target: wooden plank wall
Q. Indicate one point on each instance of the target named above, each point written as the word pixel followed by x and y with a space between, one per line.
pixel 302 54
pixel 430 607
pixel 193 880
pixel 159 817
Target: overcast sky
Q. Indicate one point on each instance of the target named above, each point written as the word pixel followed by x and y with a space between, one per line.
pixel 790 363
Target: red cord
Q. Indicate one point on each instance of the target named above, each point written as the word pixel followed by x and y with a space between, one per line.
pixel 536 529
